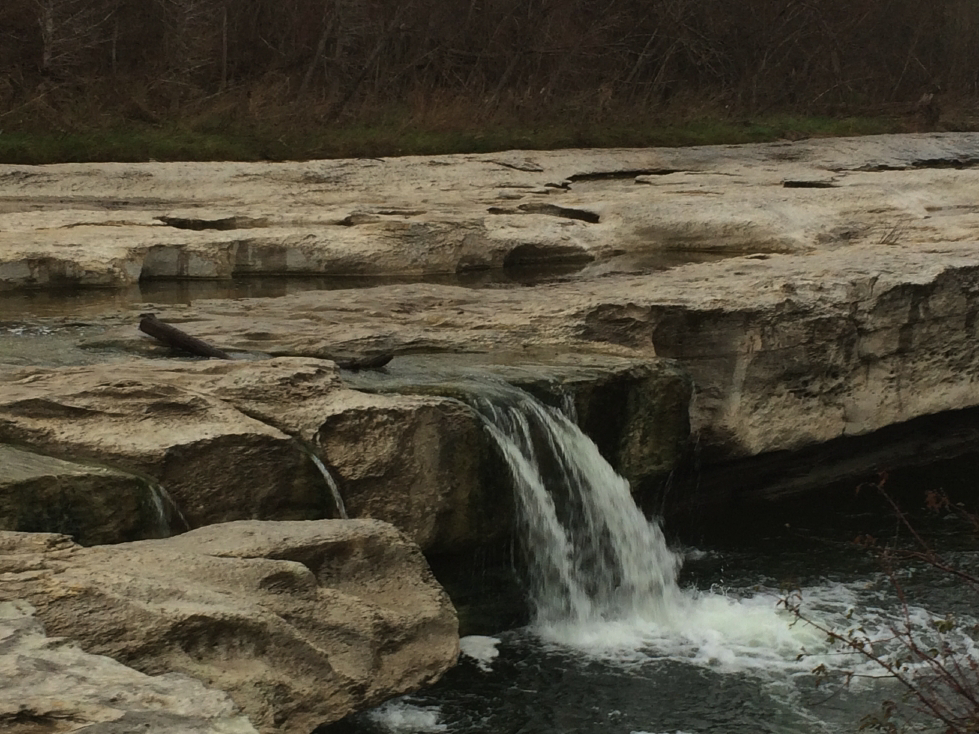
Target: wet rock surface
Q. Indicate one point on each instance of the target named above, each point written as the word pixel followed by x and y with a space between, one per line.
pixel 231 439
pixel 299 622
pixel 844 301
pixel 785 351
pixel 775 301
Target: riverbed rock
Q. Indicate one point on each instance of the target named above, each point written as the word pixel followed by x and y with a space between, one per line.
pixel 418 462
pixel 49 684
pixel 299 622
pixel 229 440
pixel 823 288
pixel 636 410
pixel 217 463
pixel 94 504
pixel 785 351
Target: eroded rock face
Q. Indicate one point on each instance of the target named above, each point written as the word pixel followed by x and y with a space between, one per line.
pixel 51 685
pixel 94 504
pixel 785 351
pixel 842 298
pixel 300 622
pixel 420 463
pixel 232 440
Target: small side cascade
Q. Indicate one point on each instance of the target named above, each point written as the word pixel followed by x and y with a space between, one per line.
pixel 333 486
pixel 331 483
pixel 592 555
pixel 166 512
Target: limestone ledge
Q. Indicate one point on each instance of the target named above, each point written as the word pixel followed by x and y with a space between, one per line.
pixel 192 443
pixel 113 224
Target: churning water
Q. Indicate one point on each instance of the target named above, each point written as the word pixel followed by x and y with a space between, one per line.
pixel 617 644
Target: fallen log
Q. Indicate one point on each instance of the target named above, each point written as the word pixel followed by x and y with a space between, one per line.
pixel 177 339
pixel 364 363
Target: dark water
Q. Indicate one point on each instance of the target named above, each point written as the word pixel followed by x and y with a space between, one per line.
pixel 734 662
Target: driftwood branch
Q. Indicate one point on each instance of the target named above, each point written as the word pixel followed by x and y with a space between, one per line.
pixel 363 363
pixel 173 337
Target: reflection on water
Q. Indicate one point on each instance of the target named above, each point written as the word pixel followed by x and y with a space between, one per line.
pixel 93 301
pixel 81 302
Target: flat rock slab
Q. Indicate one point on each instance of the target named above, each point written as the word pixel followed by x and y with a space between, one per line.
pixel 113 224
pixel 49 684
pixel 300 623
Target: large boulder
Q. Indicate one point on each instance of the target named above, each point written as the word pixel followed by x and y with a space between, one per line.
pixel 49 684
pixel 300 622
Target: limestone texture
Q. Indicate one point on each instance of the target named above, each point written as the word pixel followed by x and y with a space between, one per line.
pixel 114 223
pixel 785 351
pixel 49 684
pixel 813 290
pixel 217 463
pixel 229 440
pixel 300 623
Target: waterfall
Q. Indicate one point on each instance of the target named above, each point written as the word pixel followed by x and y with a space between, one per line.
pixel 591 554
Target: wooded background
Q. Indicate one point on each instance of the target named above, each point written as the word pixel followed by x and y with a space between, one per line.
pixel 152 60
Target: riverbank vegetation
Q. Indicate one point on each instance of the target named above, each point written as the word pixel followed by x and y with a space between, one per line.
pixel 254 79
pixel 933 659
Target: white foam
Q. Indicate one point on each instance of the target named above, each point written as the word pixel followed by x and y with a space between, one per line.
pixel 399 716
pixel 481 649
pixel 710 629
pixel 756 634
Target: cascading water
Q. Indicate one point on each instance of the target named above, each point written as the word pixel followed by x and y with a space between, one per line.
pixel 332 485
pixel 167 513
pixel 594 556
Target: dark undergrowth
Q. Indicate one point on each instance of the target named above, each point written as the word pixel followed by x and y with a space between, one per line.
pixel 134 142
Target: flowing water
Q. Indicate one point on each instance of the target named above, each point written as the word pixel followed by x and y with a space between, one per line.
pixel 168 518
pixel 332 485
pixel 623 640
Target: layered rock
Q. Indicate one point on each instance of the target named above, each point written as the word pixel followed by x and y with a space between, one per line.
pixel 841 299
pixel 232 439
pixel 785 351
pixel 49 684
pixel 300 622
pixel 113 224
pixel 217 463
